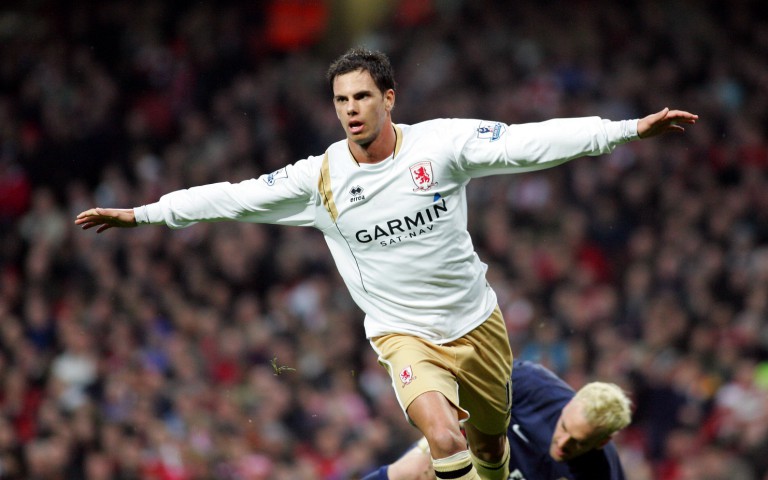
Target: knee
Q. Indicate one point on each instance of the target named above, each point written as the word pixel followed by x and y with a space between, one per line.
pixel 445 442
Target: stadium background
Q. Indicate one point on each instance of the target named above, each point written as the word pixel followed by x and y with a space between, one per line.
pixel 233 352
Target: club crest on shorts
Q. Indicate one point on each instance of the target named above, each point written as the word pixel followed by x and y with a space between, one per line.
pixel 422 176
pixel 406 375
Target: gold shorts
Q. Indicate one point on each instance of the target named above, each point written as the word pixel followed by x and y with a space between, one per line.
pixel 472 372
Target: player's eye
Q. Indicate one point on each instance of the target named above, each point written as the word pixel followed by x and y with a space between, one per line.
pixel 578 443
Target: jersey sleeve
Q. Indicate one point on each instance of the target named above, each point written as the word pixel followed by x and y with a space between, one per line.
pixel 491 148
pixel 284 197
pixel 380 473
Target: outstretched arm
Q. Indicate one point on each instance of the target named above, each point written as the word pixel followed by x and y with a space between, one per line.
pixel 664 121
pixel 106 218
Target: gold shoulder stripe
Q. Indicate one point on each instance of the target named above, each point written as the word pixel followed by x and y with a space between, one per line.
pixel 398 139
pixel 324 187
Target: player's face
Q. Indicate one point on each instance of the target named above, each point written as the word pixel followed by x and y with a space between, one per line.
pixel 361 107
pixel 574 435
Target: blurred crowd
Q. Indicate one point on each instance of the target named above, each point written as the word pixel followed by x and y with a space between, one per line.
pixel 233 351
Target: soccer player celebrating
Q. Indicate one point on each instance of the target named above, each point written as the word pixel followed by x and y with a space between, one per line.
pixel 554 434
pixel 390 200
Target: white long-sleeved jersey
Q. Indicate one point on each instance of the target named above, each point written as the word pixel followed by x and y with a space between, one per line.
pixel 397 229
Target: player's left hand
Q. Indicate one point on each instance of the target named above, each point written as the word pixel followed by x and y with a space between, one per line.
pixel 106 218
pixel 664 121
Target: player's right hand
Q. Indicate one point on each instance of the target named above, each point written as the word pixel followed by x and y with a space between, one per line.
pixel 106 218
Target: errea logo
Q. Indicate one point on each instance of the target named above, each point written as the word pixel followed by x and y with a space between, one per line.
pixel 356 194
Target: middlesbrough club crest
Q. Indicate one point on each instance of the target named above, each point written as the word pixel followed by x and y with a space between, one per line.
pixel 421 174
pixel 406 375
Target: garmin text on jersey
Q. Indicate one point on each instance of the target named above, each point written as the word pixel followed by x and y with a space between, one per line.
pixel 399 230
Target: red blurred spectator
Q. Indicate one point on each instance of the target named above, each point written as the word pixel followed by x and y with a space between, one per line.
pixel 295 24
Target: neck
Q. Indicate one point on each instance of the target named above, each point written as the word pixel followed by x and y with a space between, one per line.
pixel 378 150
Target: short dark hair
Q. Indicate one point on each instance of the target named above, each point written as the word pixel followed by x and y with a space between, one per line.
pixel 359 58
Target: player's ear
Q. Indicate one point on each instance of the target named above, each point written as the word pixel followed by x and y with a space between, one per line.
pixel 389 100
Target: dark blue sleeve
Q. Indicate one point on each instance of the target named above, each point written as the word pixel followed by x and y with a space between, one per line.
pixel 380 474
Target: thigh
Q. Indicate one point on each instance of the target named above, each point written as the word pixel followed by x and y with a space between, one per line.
pixel 417 366
pixel 484 376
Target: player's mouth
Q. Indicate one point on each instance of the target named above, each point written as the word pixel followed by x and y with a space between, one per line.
pixel 563 455
pixel 558 454
pixel 356 127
